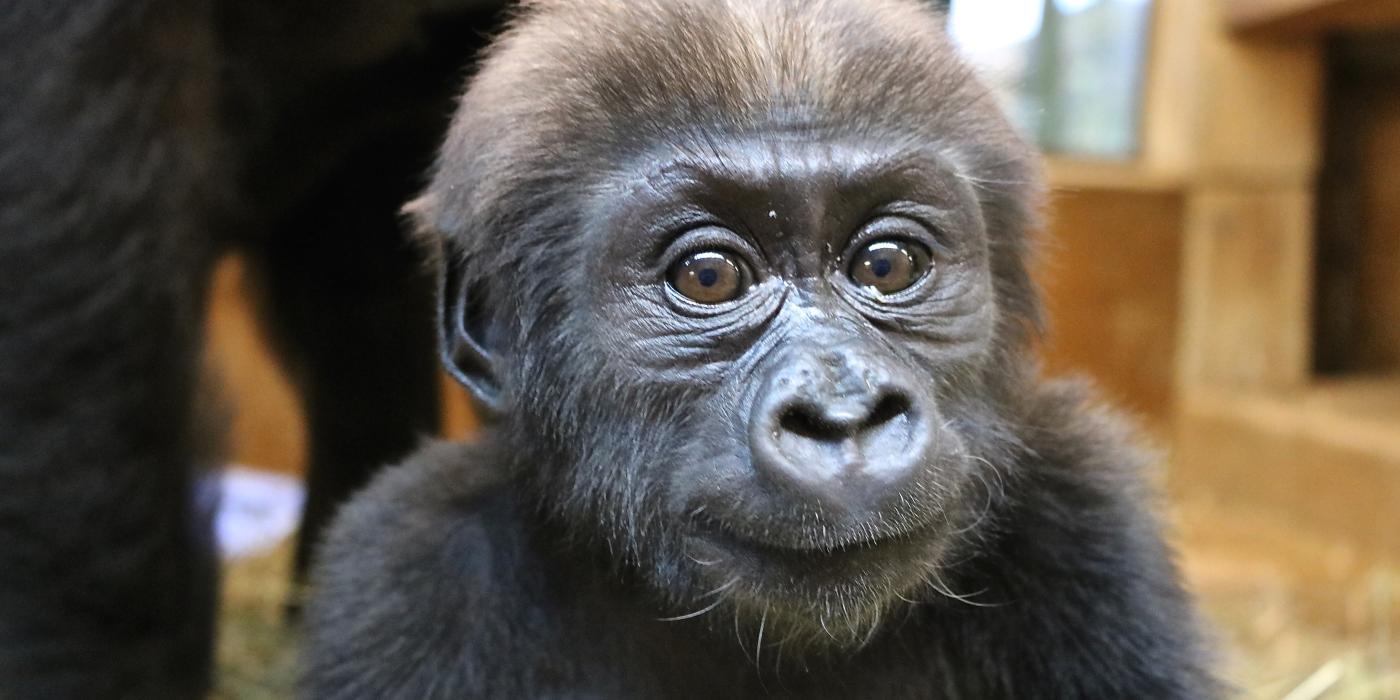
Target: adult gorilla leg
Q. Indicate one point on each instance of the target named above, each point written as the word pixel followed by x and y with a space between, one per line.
pixel 106 575
pixel 351 305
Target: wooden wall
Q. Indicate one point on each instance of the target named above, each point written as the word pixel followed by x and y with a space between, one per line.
pixel 266 429
pixel 1110 269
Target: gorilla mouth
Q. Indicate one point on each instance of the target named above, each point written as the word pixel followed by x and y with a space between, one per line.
pixel 818 552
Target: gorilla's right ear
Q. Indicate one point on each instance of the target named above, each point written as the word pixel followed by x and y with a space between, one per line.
pixel 464 332
pixel 464 319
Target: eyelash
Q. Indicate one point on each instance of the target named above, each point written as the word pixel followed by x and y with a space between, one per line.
pixel 868 234
pixel 694 240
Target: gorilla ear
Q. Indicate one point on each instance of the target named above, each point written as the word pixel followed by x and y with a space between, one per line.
pixel 464 321
pixel 464 331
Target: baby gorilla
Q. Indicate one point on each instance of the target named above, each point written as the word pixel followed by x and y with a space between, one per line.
pixel 744 284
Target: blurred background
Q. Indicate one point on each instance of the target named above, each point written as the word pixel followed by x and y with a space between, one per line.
pixel 1223 258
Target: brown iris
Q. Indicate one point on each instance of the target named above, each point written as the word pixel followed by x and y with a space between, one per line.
pixel 709 277
pixel 889 266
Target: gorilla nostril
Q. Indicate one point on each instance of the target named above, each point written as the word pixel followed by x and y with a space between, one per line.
pixel 890 407
pixel 841 420
pixel 803 420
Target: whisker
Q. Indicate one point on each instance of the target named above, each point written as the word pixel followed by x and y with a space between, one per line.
pixel 722 588
pixel 697 613
pixel 870 634
pixel 739 636
pixel 943 589
pixel 758 649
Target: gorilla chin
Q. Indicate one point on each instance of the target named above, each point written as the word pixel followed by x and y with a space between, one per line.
pixel 833 596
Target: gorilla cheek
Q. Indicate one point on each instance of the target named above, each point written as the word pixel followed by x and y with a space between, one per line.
pixel 713 466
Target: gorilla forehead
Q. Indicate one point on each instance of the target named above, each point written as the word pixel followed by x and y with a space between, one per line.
pixel 575 84
pixel 643 63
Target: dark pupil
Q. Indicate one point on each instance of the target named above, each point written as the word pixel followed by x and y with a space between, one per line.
pixel 707 277
pixel 881 267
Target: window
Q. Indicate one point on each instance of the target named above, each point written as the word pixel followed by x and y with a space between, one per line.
pixel 1070 72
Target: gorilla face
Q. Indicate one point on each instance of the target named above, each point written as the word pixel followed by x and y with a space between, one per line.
pixel 773 344
pixel 754 338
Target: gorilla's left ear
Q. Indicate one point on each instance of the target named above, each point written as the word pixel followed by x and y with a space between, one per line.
pixel 464 320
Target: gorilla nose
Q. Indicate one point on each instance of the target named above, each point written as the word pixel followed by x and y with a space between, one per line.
pixel 836 428
pixel 841 419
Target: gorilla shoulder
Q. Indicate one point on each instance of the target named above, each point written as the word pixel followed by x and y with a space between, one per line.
pixel 407 564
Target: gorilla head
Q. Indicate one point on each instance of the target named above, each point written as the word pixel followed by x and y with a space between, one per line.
pixel 743 283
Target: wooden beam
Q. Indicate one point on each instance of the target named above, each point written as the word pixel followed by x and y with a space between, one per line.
pixel 1247 266
pixel 1078 175
pixel 1247 287
pixel 1302 18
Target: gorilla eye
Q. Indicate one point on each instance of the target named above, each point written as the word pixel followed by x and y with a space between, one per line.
pixel 709 277
pixel 889 266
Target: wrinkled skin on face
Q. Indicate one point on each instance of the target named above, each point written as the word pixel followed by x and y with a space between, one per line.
pixel 670 282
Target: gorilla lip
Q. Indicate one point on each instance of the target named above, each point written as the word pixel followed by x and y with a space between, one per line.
pixel 897 561
pixel 728 539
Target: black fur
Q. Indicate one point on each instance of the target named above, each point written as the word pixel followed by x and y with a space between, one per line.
pixel 443 581
pixel 832 493
pixel 139 139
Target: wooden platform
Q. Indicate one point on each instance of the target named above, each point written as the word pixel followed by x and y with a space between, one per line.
pixel 1327 457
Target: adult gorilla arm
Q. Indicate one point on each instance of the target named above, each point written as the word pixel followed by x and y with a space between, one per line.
pixel 107 171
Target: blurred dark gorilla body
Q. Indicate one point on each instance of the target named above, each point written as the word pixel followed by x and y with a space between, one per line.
pixel 745 284
pixel 139 139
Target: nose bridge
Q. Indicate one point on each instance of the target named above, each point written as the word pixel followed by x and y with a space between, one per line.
pixel 832 369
